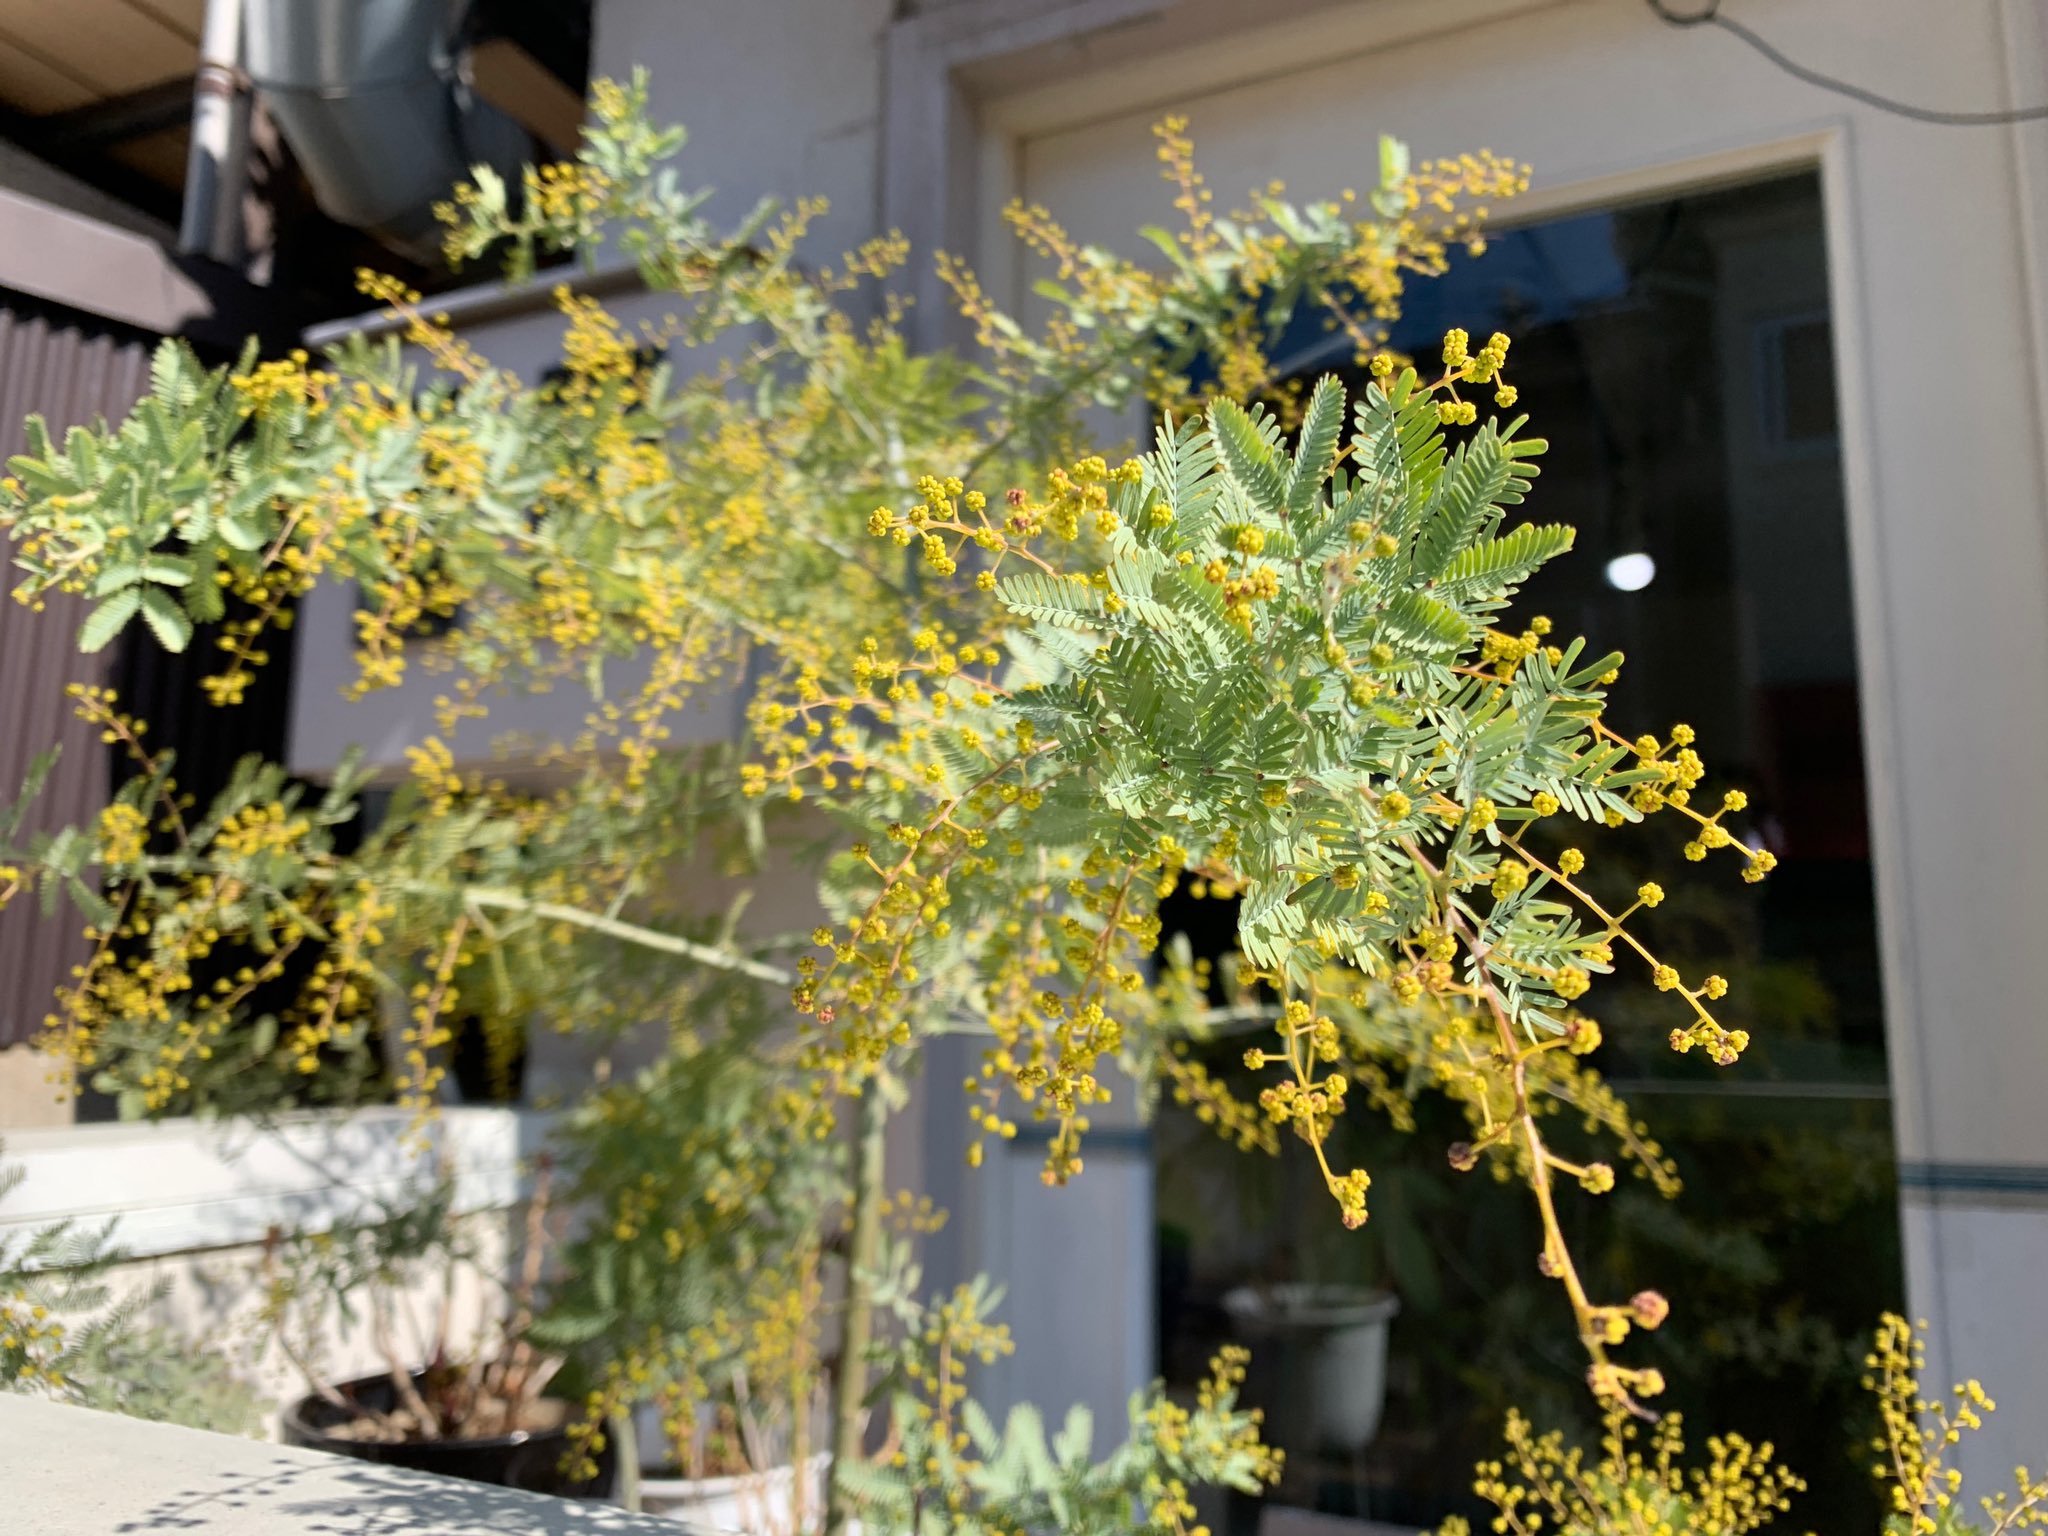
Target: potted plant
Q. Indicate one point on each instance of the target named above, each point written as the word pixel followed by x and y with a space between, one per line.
pixel 736 1463
pixel 478 1410
pixel 482 1430
pixel 689 1301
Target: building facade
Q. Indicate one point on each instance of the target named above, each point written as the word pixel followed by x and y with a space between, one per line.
pixel 1921 250
pixel 1858 297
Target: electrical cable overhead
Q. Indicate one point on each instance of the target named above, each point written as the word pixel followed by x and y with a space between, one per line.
pixel 1711 16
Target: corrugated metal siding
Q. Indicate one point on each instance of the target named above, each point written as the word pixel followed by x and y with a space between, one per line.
pixel 69 371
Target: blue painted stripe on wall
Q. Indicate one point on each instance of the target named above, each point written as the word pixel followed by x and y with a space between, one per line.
pixel 1111 1138
pixel 1974 1178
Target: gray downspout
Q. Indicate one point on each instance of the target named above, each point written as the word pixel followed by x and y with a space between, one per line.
pixel 217 167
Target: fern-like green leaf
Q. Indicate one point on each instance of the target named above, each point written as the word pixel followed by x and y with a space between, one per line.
pixel 1315 450
pixel 1249 443
pixel 1036 595
pixel 1499 565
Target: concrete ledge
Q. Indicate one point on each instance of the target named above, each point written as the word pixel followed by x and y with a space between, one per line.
pixel 183 1186
pixel 73 1472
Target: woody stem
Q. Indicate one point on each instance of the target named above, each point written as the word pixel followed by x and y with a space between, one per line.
pixel 850 1380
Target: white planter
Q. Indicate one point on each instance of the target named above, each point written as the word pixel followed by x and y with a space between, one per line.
pixel 1319 1361
pixel 749 1504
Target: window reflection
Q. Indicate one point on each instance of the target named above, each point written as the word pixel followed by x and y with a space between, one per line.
pixel 1678 356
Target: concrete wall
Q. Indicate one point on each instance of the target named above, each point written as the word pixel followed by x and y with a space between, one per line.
pixel 34 1089
pixel 192 1203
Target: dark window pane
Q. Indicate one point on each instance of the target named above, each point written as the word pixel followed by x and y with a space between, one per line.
pixel 1678 356
pixel 1797 387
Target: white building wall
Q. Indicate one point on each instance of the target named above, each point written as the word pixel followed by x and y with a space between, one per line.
pixel 782 98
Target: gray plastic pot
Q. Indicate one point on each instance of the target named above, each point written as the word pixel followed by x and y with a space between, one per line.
pixel 1319 1361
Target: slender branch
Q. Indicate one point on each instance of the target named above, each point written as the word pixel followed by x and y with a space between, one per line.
pixel 500 899
pixel 850 1381
pixel 626 1443
pixel 401 1375
pixel 515 1371
pixel 497 899
pixel 316 1380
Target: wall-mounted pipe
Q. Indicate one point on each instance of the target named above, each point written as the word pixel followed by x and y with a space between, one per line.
pixel 217 165
pixel 368 96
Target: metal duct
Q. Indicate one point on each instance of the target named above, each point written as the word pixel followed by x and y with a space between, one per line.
pixel 368 96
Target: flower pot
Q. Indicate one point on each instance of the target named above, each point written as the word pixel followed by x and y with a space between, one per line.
pixel 750 1503
pixel 530 1457
pixel 1319 1361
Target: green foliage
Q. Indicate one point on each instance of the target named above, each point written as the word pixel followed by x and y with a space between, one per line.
pixel 952 1470
pixel 1210 717
pixel 706 1180
pixel 1545 1483
pixel 1629 1489
pixel 1271 658
pixel 369 1274
pixel 349 1273
pixel 156 470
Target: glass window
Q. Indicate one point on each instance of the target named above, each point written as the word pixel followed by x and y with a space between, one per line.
pixel 1678 356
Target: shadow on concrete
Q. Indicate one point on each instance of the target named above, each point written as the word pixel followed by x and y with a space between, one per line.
pixel 345 1498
